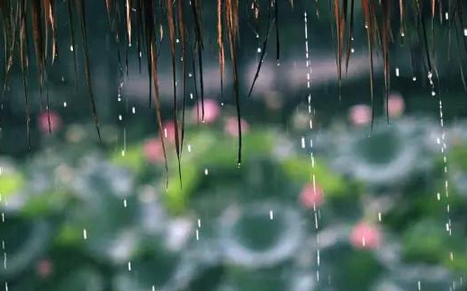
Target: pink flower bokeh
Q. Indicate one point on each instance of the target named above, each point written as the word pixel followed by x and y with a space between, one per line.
pixel 44 268
pixel 365 236
pixel 152 150
pixel 168 131
pixel 396 104
pixel 43 122
pixel 311 197
pixel 212 111
pixel 231 126
pixel 360 114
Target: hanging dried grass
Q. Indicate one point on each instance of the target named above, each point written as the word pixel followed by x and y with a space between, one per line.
pixel 145 21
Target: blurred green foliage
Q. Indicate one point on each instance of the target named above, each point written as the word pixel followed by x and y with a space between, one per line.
pixel 118 221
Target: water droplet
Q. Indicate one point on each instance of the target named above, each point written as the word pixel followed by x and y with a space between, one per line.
pixel 85 234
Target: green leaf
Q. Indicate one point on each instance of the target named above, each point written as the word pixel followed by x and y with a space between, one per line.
pixel 10 183
pixel 176 197
pixel 301 171
pixel 132 159
pixel 45 203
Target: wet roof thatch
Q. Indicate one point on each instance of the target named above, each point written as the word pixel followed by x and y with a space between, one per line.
pixel 146 23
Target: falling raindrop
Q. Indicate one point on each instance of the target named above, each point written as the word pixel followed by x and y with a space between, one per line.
pixel 271 215
pixel 124 142
pixel 85 234
pixel 309 72
pixel 441 141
